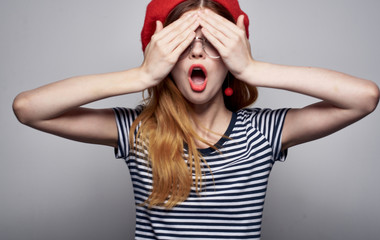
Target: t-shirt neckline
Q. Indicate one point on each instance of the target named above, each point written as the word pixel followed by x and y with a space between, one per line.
pixel 223 139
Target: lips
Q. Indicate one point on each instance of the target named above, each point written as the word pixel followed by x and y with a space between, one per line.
pixel 197 77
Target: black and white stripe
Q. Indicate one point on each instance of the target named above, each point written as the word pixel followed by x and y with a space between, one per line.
pixel 230 205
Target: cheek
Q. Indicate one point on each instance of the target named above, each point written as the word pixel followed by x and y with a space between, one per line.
pixel 220 70
pixel 179 73
pixel 221 75
pixel 176 75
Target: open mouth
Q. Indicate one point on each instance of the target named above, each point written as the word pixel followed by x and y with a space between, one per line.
pixel 197 77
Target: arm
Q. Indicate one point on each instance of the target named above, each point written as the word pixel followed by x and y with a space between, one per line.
pixel 345 99
pixel 55 108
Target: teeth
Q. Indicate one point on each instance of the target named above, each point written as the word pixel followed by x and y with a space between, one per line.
pixel 197 69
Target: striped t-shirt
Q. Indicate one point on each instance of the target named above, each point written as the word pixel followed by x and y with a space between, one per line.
pixel 230 205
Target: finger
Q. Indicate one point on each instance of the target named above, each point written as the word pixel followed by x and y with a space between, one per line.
pixel 213 40
pixel 178 39
pixel 214 35
pixel 165 38
pixel 218 22
pixel 177 26
pixel 240 22
pixel 191 25
pixel 159 26
pixel 184 43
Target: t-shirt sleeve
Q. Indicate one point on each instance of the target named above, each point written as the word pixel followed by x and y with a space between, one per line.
pixel 270 123
pixel 124 119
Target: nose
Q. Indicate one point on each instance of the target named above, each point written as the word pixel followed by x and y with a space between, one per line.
pixel 197 50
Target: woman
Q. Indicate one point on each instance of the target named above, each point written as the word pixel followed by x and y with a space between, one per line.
pixel 199 159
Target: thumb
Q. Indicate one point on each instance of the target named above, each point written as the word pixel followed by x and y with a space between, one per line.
pixel 240 22
pixel 159 26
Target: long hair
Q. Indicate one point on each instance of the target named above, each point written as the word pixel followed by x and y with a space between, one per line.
pixel 162 129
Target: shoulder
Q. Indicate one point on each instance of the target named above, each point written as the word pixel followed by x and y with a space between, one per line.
pixel 255 113
pixel 247 113
pixel 137 110
pixel 126 116
pixel 128 113
pixel 262 118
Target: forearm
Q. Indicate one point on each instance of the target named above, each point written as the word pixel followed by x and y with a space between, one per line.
pixel 54 99
pixel 338 89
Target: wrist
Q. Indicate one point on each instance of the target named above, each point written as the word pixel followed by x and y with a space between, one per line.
pixel 145 79
pixel 247 75
pixel 124 82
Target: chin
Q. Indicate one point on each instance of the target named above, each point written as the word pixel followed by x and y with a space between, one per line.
pixel 204 97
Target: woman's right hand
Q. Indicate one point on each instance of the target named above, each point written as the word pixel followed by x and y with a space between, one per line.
pixel 165 47
pixel 55 108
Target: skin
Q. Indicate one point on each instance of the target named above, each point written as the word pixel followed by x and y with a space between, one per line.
pixel 215 68
pixel 208 104
pixel 344 99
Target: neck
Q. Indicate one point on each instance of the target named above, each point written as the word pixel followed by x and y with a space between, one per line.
pixel 210 121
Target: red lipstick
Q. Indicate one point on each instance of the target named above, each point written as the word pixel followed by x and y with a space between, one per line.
pixel 197 77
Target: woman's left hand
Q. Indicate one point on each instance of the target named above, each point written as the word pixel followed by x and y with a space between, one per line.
pixel 229 39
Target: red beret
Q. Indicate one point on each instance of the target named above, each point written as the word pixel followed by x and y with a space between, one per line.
pixel 160 9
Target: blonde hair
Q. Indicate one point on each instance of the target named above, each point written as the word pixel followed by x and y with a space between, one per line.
pixel 163 130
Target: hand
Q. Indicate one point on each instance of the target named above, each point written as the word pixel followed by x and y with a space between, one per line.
pixel 165 47
pixel 229 39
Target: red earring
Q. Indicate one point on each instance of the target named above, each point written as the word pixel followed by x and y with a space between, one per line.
pixel 228 91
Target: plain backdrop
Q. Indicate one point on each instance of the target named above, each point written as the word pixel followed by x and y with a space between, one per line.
pixel 53 188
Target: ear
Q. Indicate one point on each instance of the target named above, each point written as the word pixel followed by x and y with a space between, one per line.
pixel 240 22
pixel 159 26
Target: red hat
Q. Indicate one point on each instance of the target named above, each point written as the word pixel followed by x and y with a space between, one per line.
pixel 160 9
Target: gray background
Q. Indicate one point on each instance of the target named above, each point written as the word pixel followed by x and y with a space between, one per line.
pixel 52 188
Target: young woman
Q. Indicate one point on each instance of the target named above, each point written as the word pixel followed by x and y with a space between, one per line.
pixel 198 158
